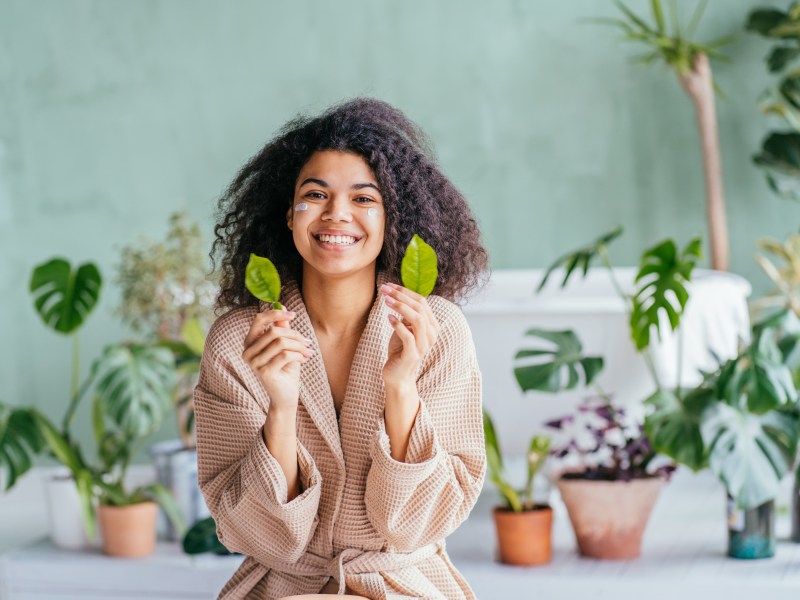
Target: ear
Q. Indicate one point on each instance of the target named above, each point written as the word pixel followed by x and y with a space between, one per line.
pixel 289 217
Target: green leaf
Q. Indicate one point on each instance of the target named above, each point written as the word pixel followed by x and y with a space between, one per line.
pixel 202 537
pixel 780 159
pixel 494 463
pixel 673 426
pixel 538 451
pixel 560 372
pixel 763 20
pixel 750 453
pixel 64 298
pixel 582 257
pixel 20 442
pixel 658 14
pixel 419 269
pixel 135 383
pixel 193 335
pixel 58 444
pixel 780 57
pixel 662 278
pixel 633 18
pixel 262 279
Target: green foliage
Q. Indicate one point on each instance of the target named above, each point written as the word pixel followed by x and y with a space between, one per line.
pixel 419 269
pixel 780 160
pixel 662 279
pixel 668 44
pixel 580 258
pixel 135 384
pixel 164 284
pixel 262 280
pixel 516 500
pixel 202 537
pixel 64 298
pixel 559 368
pixel 20 442
pixel 781 263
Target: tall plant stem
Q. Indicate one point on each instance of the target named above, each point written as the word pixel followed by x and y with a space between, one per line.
pixel 76 365
pixel 698 84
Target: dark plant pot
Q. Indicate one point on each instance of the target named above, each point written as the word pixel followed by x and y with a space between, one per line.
pixel 524 538
pixel 751 533
pixel 796 507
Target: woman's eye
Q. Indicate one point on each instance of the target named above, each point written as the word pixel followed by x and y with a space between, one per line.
pixel 315 195
pixel 364 199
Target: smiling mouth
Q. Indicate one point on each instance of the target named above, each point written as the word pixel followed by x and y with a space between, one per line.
pixel 337 240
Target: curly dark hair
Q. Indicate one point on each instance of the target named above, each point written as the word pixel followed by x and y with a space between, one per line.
pixel 418 198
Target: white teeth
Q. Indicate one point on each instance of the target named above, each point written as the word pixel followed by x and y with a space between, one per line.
pixel 337 239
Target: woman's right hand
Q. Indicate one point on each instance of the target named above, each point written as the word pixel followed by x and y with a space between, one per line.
pixel 276 352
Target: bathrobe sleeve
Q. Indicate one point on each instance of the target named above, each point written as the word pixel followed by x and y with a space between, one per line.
pixel 424 499
pixel 243 485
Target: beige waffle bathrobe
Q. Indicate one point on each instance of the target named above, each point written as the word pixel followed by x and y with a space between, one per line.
pixel 376 525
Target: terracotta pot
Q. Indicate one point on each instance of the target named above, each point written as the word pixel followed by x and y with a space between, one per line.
pixel 128 531
pixel 609 517
pixel 523 538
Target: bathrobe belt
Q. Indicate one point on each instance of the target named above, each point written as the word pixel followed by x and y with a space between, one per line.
pixel 352 561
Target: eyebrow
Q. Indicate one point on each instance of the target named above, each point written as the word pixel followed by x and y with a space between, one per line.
pixel 355 186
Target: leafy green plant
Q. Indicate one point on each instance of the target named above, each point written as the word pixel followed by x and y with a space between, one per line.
pixel 20 442
pixel 516 500
pixel 779 157
pixel 202 537
pixel 672 45
pixel 167 299
pixel 419 269
pixel 262 280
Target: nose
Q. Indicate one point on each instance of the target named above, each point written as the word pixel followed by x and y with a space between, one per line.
pixel 338 209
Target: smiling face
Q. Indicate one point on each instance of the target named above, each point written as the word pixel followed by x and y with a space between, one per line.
pixel 337 217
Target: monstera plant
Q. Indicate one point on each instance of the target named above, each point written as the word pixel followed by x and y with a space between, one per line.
pixel 131 386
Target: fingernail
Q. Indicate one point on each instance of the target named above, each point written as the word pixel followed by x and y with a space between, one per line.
pixel 390 300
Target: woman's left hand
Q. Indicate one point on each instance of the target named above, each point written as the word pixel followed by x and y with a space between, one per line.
pixel 413 336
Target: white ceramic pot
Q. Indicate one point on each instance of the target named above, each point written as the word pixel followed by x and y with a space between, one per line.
pixel 64 511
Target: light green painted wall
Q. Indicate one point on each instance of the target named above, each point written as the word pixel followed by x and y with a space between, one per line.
pixel 115 113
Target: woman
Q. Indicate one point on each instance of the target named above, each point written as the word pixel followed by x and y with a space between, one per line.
pixel 340 439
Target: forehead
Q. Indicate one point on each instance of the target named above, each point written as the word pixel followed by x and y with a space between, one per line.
pixel 337 168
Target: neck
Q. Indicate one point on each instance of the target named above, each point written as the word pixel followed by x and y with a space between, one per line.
pixel 338 307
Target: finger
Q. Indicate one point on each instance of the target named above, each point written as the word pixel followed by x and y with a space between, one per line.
pixel 410 315
pixel 281 360
pixel 276 347
pixel 264 319
pixel 404 333
pixel 404 295
pixel 404 290
pixel 272 334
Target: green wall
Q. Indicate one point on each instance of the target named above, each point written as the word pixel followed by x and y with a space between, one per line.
pixel 115 113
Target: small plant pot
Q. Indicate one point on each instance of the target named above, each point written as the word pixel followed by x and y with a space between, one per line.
pixel 609 517
pixel 524 538
pixel 751 533
pixel 128 531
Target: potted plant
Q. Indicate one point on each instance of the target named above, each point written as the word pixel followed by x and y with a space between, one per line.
pixel 742 422
pixel 167 298
pixel 524 527
pixel 131 386
pixel 133 391
pixel 616 468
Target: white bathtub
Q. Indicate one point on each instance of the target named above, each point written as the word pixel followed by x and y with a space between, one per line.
pixel 716 317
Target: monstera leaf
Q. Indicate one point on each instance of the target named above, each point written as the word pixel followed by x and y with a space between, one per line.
pixel 673 426
pixel 580 258
pixel 780 160
pixel 662 280
pixel 556 368
pixel 63 297
pixel 20 442
pixel 134 384
pixel 750 453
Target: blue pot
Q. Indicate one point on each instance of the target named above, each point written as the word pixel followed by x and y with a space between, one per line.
pixel 751 533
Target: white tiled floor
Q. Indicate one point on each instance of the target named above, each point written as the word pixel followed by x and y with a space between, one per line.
pixel 683 559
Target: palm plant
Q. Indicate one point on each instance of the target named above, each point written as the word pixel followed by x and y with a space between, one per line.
pixel 672 45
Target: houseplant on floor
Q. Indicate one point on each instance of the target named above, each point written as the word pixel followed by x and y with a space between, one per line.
pixel 617 461
pixel 167 299
pixel 605 472
pixel 524 527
